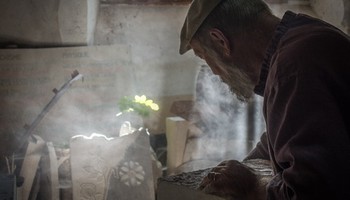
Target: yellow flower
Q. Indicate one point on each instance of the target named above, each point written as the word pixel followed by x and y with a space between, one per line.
pixel 140 105
pixel 129 110
pixel 149 102
pixel 154 106
pixel 140 99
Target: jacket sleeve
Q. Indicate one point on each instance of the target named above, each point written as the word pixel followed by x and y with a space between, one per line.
pixel 308 137
pixel 260 151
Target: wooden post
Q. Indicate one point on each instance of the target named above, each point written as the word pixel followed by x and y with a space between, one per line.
pixel 176 134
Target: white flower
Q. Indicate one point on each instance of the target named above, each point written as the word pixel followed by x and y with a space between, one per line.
pixel 131 173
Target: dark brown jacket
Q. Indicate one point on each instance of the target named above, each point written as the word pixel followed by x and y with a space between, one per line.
pixel 305 81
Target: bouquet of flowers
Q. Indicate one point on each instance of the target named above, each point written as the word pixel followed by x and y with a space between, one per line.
pixel 139 104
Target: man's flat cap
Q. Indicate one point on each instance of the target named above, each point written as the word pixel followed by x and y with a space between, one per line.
pixel 197 13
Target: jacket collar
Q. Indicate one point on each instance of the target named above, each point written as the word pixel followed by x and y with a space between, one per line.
pixel 281 29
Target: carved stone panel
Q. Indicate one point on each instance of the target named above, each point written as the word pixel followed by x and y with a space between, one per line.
pixel 112 168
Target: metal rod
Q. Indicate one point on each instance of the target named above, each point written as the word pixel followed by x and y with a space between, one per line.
pixel 58 93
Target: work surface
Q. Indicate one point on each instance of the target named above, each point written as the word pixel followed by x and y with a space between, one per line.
pixel 184 186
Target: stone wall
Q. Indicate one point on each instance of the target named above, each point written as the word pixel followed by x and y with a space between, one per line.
pixel 47 23
pixel 336 12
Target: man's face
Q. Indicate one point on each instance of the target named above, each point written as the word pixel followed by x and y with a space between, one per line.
pixel 231 74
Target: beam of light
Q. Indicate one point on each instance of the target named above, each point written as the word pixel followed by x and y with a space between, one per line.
pixel 93 135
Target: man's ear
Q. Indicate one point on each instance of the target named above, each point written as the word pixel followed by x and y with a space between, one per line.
pixel 220 40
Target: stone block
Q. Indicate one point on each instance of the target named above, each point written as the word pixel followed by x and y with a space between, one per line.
pixel 112 168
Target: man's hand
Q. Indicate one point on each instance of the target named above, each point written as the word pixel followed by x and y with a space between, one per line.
pixel 233 180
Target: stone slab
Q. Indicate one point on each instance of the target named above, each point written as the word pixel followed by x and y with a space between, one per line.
pixel 112 168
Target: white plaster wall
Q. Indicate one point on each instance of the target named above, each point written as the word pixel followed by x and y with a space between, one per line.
pixel 29 21
pixel 152 32
pixel 280 9
pixel 92 13
pixel 331 11
pixel 48 23
pixel 77 21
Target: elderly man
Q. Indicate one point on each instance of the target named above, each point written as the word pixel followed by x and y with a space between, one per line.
pixel 301 66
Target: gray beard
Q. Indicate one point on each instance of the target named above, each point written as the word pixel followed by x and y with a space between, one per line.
pixel 238 81
pixel 235 77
